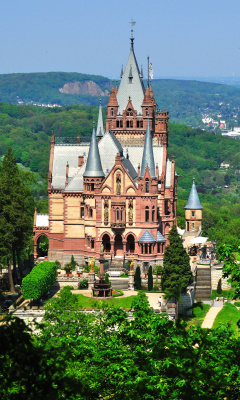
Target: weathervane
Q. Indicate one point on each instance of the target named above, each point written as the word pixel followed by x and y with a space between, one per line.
pixel 132 25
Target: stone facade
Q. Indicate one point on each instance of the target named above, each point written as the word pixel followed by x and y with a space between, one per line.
pixel 216 274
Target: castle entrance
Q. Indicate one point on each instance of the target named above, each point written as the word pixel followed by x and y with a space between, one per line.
pixel 118 246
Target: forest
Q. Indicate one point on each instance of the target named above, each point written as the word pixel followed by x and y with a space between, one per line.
pixel 198 154
pixel 186 99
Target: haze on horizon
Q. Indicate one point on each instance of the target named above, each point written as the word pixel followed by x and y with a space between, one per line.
pixel 185 38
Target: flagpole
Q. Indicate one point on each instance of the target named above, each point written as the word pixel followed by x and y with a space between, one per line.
pixel 148 70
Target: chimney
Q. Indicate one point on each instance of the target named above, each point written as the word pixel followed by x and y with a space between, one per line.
pixel 80 161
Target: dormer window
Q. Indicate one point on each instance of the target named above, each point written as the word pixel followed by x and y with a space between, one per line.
pixel 130 76
pixel 129 112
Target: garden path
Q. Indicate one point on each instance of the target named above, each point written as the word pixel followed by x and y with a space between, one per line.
pixel 210 317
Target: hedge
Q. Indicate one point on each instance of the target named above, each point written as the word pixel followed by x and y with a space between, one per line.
pixel 39 281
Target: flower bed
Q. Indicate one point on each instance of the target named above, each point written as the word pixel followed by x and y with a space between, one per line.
pixel 117 293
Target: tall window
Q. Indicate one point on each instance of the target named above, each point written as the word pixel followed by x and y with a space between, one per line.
pixel 82 211
pixel 193 213
pixel 112 113
pixel 147 214
pixel 117 214
pixel 153 214
pixel 147 185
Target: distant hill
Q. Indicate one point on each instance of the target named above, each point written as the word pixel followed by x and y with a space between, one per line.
pixel 185 99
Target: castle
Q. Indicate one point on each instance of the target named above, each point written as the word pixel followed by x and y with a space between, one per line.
pixel 119 190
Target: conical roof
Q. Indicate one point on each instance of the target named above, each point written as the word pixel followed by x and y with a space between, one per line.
pixel 148 157
pixel 147 237
pixel 193 200
pixel 100 128
pixel 131 85
pixel 94 165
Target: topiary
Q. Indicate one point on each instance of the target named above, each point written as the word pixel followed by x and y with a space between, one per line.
pixel 150 278
pixel 137 279
pixel 219 286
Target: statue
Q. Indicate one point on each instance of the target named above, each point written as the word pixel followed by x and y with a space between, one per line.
pixel 101 248
pixel 118 186
pixel 106 212
pixel 131 266
pixel 91 263
pixel 130 213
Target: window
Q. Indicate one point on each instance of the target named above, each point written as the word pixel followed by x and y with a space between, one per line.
pixel 193 213
pixel 117 124
pixel 147 186
pixel 153 214
pixel 167 212
pixel 112 113
pixel 82 211
pixel 129 112
pixel 90 212
pixel 117 214
pixel 121 124
pixel 192 226
pixel 147 214
pixel 92 244
pixel 127 124
pixel 92 187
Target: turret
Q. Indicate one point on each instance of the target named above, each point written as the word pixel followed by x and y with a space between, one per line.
pixel 93 174
pixel 100 129
pixel 148 157
pixel 193 211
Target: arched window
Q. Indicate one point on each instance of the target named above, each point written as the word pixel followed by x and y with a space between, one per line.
pixel 121 124
pixel 127 124
pixel 147 185
pixel 117 214
pixel 117 124
pixel 147 214
pixel 90 212
pixel 153 214
pixel 129 112
pixel 92 244
pixel 131 124
pixel 112 112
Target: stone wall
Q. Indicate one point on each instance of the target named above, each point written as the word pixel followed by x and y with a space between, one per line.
pixel 216 274
pixel 187 300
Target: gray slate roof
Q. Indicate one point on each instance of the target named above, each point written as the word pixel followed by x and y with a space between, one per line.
pixel 147 237
pixel 100 127
pixel 148 158
pixel 134 89
pixel 193 200
pixel 160 237
pixel 94 165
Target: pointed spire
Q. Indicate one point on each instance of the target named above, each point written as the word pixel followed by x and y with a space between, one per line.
pixel 148 158
pixel 94 165
pixel 100 128
pixel 193 200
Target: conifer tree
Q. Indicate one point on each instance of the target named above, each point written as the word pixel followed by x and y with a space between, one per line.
pixel 16 211
pixel 150 278
pixel 177 273
pixel 137 279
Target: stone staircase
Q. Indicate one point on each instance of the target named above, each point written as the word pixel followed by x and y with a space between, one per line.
pixel 203 287
pixel 116 267
pixel 119 283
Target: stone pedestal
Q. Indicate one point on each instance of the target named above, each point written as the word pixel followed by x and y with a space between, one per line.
pixel 131 280
pixel 91 280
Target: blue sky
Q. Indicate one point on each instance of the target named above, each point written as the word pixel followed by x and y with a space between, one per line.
pixel 197 38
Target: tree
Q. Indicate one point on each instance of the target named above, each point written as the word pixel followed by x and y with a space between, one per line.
pixel 150 278
pixel 219 287
pixel 230 269
pixel 177 273
pixel 16 212
pixel 137 279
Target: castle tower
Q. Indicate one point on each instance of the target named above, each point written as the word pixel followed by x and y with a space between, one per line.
pixel 193 211
pixel 131 106
pixel 93 174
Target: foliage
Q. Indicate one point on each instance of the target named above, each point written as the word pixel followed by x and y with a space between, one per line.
pixel 219 286
pixel 39 281
pixel 43 244
pixel 177 273
pixel 231 269
pixel 237 303
pixel 16 211
pixel 137 279
pixel 158 270
pixel 198 314
pixel 150 278
pixel 83 284
pixel 227 294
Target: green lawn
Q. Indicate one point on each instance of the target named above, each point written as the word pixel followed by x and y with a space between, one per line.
pixel 228 294
pixel 85 302
pixel 229 315
pixel 198 315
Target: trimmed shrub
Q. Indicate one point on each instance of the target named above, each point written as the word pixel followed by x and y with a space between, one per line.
pixel 39 281
pixel 219 287
pixel 83 284
pixel 150 278
pixel 137 279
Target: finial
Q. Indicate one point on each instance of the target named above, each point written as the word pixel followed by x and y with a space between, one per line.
pixel 121 72
pixel 132 23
